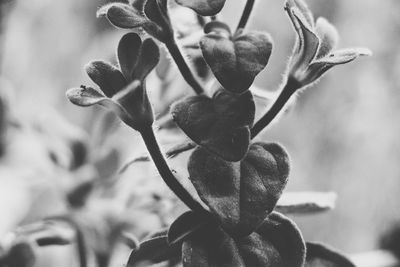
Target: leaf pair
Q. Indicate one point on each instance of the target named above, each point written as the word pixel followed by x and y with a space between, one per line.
pixel 314 52
pixel 240 194
pixel 122 90
pixel 201 242
pixel 220 124
pixel 151 15
pixel 277 242
pixel 235 59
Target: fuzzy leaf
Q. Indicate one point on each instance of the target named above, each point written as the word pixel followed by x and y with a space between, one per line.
pixel 221 124
pixel 277 243
pixel 106 76
pixel 236 60
pixel 318 67
pixel 306 202
pixel 319 255
pixel 308 42
pixel 154 250
pixel 85 96
pixel 123 15
pixel 131 105
pixel 240 194
pixel 303 9
pixel 204 7
pixel 185 225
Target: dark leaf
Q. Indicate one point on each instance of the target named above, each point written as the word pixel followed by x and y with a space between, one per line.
pixel 154 250
pixel 137 59
pixel 185 225
pixel 106 76
pixel 235 60
pixel 278 243
pixel 221 124
pixel 286 237
pixel 148 59
pixel 204 7
pixel 128 54
pixel 241 194
pixel 319 255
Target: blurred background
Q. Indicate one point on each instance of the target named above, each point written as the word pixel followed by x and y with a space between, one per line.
pixel 342 134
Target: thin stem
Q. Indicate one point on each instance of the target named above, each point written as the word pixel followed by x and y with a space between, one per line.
pixel 184 67
pixel 289 89
pixel 80 238
pixel 166 173
pixel 246 14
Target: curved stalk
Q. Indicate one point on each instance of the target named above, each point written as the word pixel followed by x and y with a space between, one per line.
pixel 184 67
pixel 290 88
pixel 166 173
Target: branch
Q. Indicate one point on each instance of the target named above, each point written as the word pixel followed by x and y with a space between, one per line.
pixel 290 88
pixel 246 14
pixel 184 67
pixel 166 173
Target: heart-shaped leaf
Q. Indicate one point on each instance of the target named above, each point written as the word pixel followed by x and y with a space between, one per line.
pixel 240 194
pixel 137 59
pixel 319 255
pixel 220 124
pixel 204 7
pixel 187 224
pixel 235 60
pixel 154 250
pixel 277 243
pixel 306 202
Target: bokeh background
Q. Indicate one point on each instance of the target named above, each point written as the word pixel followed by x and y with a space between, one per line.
pixel 342 134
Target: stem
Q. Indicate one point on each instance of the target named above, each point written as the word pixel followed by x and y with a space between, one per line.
pixel 166 173
pixel 289 89
pixel 184 67
pixel 246 14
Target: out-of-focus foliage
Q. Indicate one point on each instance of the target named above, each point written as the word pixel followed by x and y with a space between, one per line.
pixel 343 136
